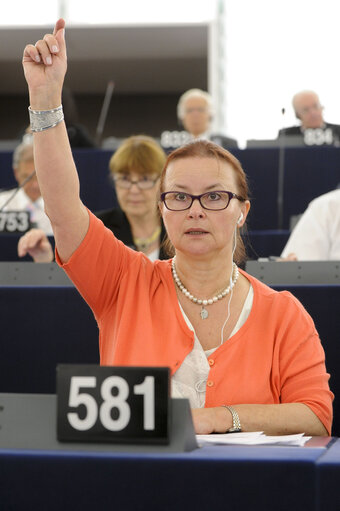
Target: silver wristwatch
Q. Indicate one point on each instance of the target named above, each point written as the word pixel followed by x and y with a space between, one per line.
pixel 236 427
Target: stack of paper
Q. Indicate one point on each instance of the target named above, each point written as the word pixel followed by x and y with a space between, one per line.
pixel 253 438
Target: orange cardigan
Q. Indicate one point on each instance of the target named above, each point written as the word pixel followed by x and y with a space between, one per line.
pixel 275 357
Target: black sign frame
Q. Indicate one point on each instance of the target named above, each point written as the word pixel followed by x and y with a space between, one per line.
pixel 100 399
pixel 15 222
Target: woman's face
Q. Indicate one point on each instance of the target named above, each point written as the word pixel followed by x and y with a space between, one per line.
pixel 198 231
pixel 133 198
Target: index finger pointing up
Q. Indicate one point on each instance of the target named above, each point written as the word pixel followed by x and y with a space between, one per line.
pixel 59 24
pixel 58 33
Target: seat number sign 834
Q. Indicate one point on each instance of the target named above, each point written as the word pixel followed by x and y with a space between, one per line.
pixel 112 404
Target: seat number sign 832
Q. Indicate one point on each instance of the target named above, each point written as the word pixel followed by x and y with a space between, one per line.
pixel 112 404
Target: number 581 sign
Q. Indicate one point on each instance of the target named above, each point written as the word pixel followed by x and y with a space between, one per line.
pixel 113 404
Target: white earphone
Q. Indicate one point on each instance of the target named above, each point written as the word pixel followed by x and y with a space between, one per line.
pixel 240 219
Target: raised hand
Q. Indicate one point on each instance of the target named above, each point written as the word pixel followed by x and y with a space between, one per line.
pixel 45 65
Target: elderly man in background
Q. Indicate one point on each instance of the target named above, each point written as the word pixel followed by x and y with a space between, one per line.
pixel 27 196
pixel 313 130
pixel 195 112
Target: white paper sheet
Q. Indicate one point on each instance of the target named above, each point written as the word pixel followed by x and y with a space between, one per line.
pixel 252 438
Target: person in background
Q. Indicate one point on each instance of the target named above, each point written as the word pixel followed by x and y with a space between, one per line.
pixel 27 196
pixel 313 129
pixel 195 112
pixel 316 236
pixel 135 169
pixel 247 357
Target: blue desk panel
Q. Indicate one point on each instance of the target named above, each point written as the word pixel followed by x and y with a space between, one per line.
pixel 9 247
pixel 322 303
pixel 41 327
pixel 265 243
pixel 213 478
pixel 328 477
pixel 309 172
pixel 261 168
pixel 96 189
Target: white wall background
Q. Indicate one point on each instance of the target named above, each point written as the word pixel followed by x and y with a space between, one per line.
pixel 275 48
pixel 106 12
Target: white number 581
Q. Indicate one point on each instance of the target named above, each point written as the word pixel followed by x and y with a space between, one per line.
pixel 110 401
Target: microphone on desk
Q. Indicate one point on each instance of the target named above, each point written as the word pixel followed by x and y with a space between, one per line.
pixel 281 174
pixel 11 197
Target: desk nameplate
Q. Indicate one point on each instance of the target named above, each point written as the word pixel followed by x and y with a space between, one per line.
pixel 15 221
pixel 113 404
pixel 28 422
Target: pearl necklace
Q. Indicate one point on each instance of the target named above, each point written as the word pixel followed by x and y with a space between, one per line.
pixel 204 313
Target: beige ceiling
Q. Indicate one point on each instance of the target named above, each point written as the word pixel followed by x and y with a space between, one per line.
pixel 139 59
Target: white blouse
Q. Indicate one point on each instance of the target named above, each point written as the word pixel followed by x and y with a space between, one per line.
pixel 154 255
pixel 190 379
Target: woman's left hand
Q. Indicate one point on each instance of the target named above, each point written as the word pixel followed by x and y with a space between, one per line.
pixel 211 420
pixel 277 419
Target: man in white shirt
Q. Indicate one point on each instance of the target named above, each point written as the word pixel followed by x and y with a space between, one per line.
pixel 27 198
pixel 316 237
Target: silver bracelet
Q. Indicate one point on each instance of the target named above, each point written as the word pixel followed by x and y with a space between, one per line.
pixel 42 120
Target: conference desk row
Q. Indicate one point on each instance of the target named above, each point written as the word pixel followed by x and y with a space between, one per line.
pixel 308 172
pixel 228 478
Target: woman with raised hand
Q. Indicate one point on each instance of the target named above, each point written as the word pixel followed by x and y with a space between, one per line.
pixel 247 357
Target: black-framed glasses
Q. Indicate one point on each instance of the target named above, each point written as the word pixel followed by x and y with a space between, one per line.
pixel 214 200
pixel 143 183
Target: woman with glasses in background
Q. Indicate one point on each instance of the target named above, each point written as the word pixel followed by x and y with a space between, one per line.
pixel 247 357
pixel 135 169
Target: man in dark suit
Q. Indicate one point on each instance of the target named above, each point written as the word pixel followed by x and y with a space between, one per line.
pixel 313 130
